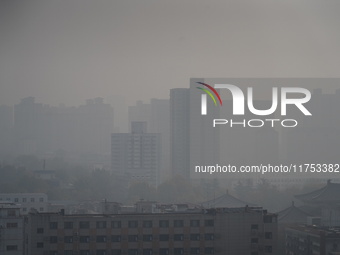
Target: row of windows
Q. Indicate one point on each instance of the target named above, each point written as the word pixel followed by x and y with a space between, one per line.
pixel 164 251
pixel 130 238
pixel 24 199
pixel 131 224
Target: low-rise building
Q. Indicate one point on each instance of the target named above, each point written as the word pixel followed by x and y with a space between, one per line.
pixel 236 231
pixel 27 201
pixel 306 240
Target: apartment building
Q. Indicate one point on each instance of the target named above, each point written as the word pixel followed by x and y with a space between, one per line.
pixel 11 229
pixel 236 231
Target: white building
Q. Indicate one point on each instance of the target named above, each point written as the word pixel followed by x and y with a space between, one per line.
pixel 11 229
pixel 26 201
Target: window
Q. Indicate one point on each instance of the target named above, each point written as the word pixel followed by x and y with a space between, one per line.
pixel 147 238
pixel 41 209
pixel 209 236
pixel 68 225
pixel 133 224
pixel 116 252
pixel 254 240
pixel 209 223
pixel 163 237
pixel 178 237
pixel 132 238
pixel 268 249
pixel 41 199
pixel 84 239
pixel 84 252
pixel 147 252
pixel 53 225
pixel 268 235
pixel 116 238
pixel 194 223
pixel 147 224
pixel 178 251
pixel 11 225
pixel 163 251
pixel 178 223
pixel 194 250
pixel 101 224
pixel 24 200
pixel 84 224
pixel 132 252
pixel 53 239
pixel 16 200
pixel 40 245
pixel 11 247
pixel 163 223
pixel 32 199
pixel 101 239
pixel 116 224
pixel 209 250
pixel 68 239
pixel 194 237
pixel 254 227
pixel 40 230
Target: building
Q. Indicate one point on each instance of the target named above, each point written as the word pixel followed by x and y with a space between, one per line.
pixel 328 200
pixel 236 231
pixel 194 141
pixel 157 115
pixel 305 240
pixel 11 229
pixel 179 132
pixel 137 155
pixel 26 201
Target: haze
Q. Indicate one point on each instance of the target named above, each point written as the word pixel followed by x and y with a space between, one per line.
pixel 69 51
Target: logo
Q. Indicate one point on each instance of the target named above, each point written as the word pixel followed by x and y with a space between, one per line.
pixel 239 100
pixel 204 97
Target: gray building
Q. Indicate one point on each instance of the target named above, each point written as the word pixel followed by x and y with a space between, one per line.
pixel 235 231
pixel 11 229
pixel 137 155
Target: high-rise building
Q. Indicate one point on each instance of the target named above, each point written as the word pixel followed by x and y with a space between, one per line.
pixel 179 131
pixel 157 115
pixel 137 155
pixel 194 140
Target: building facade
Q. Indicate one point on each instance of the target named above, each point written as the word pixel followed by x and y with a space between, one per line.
pixel 137 155
pixel 236 231
pixel 27 201
pixel 11 229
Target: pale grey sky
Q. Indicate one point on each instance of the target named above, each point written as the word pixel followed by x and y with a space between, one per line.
pixel 70 50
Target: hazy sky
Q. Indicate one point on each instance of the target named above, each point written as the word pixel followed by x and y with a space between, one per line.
pixel 68 51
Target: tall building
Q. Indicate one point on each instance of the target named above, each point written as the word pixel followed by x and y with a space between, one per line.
pixel 194 140
pixel 157 115
pixel 235 231
pixel 11 229
pixel 137 155
pixel 179 131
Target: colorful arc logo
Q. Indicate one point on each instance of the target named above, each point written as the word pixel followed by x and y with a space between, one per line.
pixel 209 93
pixel 204 97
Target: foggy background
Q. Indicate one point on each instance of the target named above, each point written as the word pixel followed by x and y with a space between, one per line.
pixel 73 72
pixel 69 51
